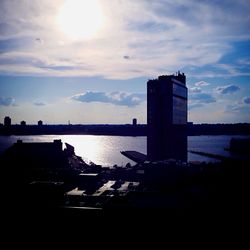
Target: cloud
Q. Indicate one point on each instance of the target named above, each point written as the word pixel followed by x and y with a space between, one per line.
pixel 237 108
pixel 229 89
pixel 15 44
pixel 39 104
pixel 202 98
pixel 198 100
pixel 188 33
pixel 7 101
pixel 194 105
pixel 195 90
pixel 246 100
pixel 241 106
pixel 201 83
pixel 244 61
pixel 116 98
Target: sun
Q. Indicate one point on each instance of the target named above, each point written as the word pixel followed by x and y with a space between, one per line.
pixel 80 19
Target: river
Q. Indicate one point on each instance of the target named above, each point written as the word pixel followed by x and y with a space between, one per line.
pixel 105 150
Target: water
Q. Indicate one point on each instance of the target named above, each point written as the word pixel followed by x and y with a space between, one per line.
pixel 105 150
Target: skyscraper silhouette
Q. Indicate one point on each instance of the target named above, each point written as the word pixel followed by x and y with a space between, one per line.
pixel 167 118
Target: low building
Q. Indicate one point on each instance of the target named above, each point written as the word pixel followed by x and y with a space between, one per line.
pixel 23 123
pixel 7 121
pixel 40 123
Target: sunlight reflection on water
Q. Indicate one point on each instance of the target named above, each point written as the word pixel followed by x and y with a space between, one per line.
pixel 105 150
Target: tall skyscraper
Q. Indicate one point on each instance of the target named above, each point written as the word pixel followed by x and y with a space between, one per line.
pixel 167 118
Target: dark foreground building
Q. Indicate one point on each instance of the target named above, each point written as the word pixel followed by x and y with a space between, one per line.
pixel 46 186
pixel 167 118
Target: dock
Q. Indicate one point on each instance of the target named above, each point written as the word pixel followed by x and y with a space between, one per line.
pixel 135 156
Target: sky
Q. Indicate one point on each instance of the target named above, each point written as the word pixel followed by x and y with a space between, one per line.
pixel 88 61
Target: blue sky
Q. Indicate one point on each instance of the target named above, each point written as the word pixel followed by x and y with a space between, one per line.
pixel 50 73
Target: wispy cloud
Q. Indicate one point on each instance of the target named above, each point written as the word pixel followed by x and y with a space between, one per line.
pixel 187 33
pixel 203 98
pixel 116 98
pixel 199 99
pixel 244 61
pixel 7 101
pixel 228 89
pixel 39 103
pixel 246 100
pixel 241 106
pixel 195 90
pixel 194 105
pixel 201 83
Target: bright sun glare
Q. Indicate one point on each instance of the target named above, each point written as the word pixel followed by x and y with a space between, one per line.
pixel 80 19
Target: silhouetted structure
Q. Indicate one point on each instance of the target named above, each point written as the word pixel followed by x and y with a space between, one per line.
pixel 135 156
pixel 167 118
pixel 40 154
pixel 240 145
pixel 134 122
pixel 23 123
pixel 40 123
pixel 41 180
pixel 7 122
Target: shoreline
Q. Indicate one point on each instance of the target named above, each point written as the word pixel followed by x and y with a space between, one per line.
pixel 121 129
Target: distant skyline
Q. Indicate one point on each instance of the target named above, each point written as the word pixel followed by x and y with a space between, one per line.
pixel 88 61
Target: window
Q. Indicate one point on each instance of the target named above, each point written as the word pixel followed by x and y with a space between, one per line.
pixel 179 90
pixel 179 110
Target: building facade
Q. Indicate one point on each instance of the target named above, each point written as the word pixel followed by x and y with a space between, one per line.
pixel 167 118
